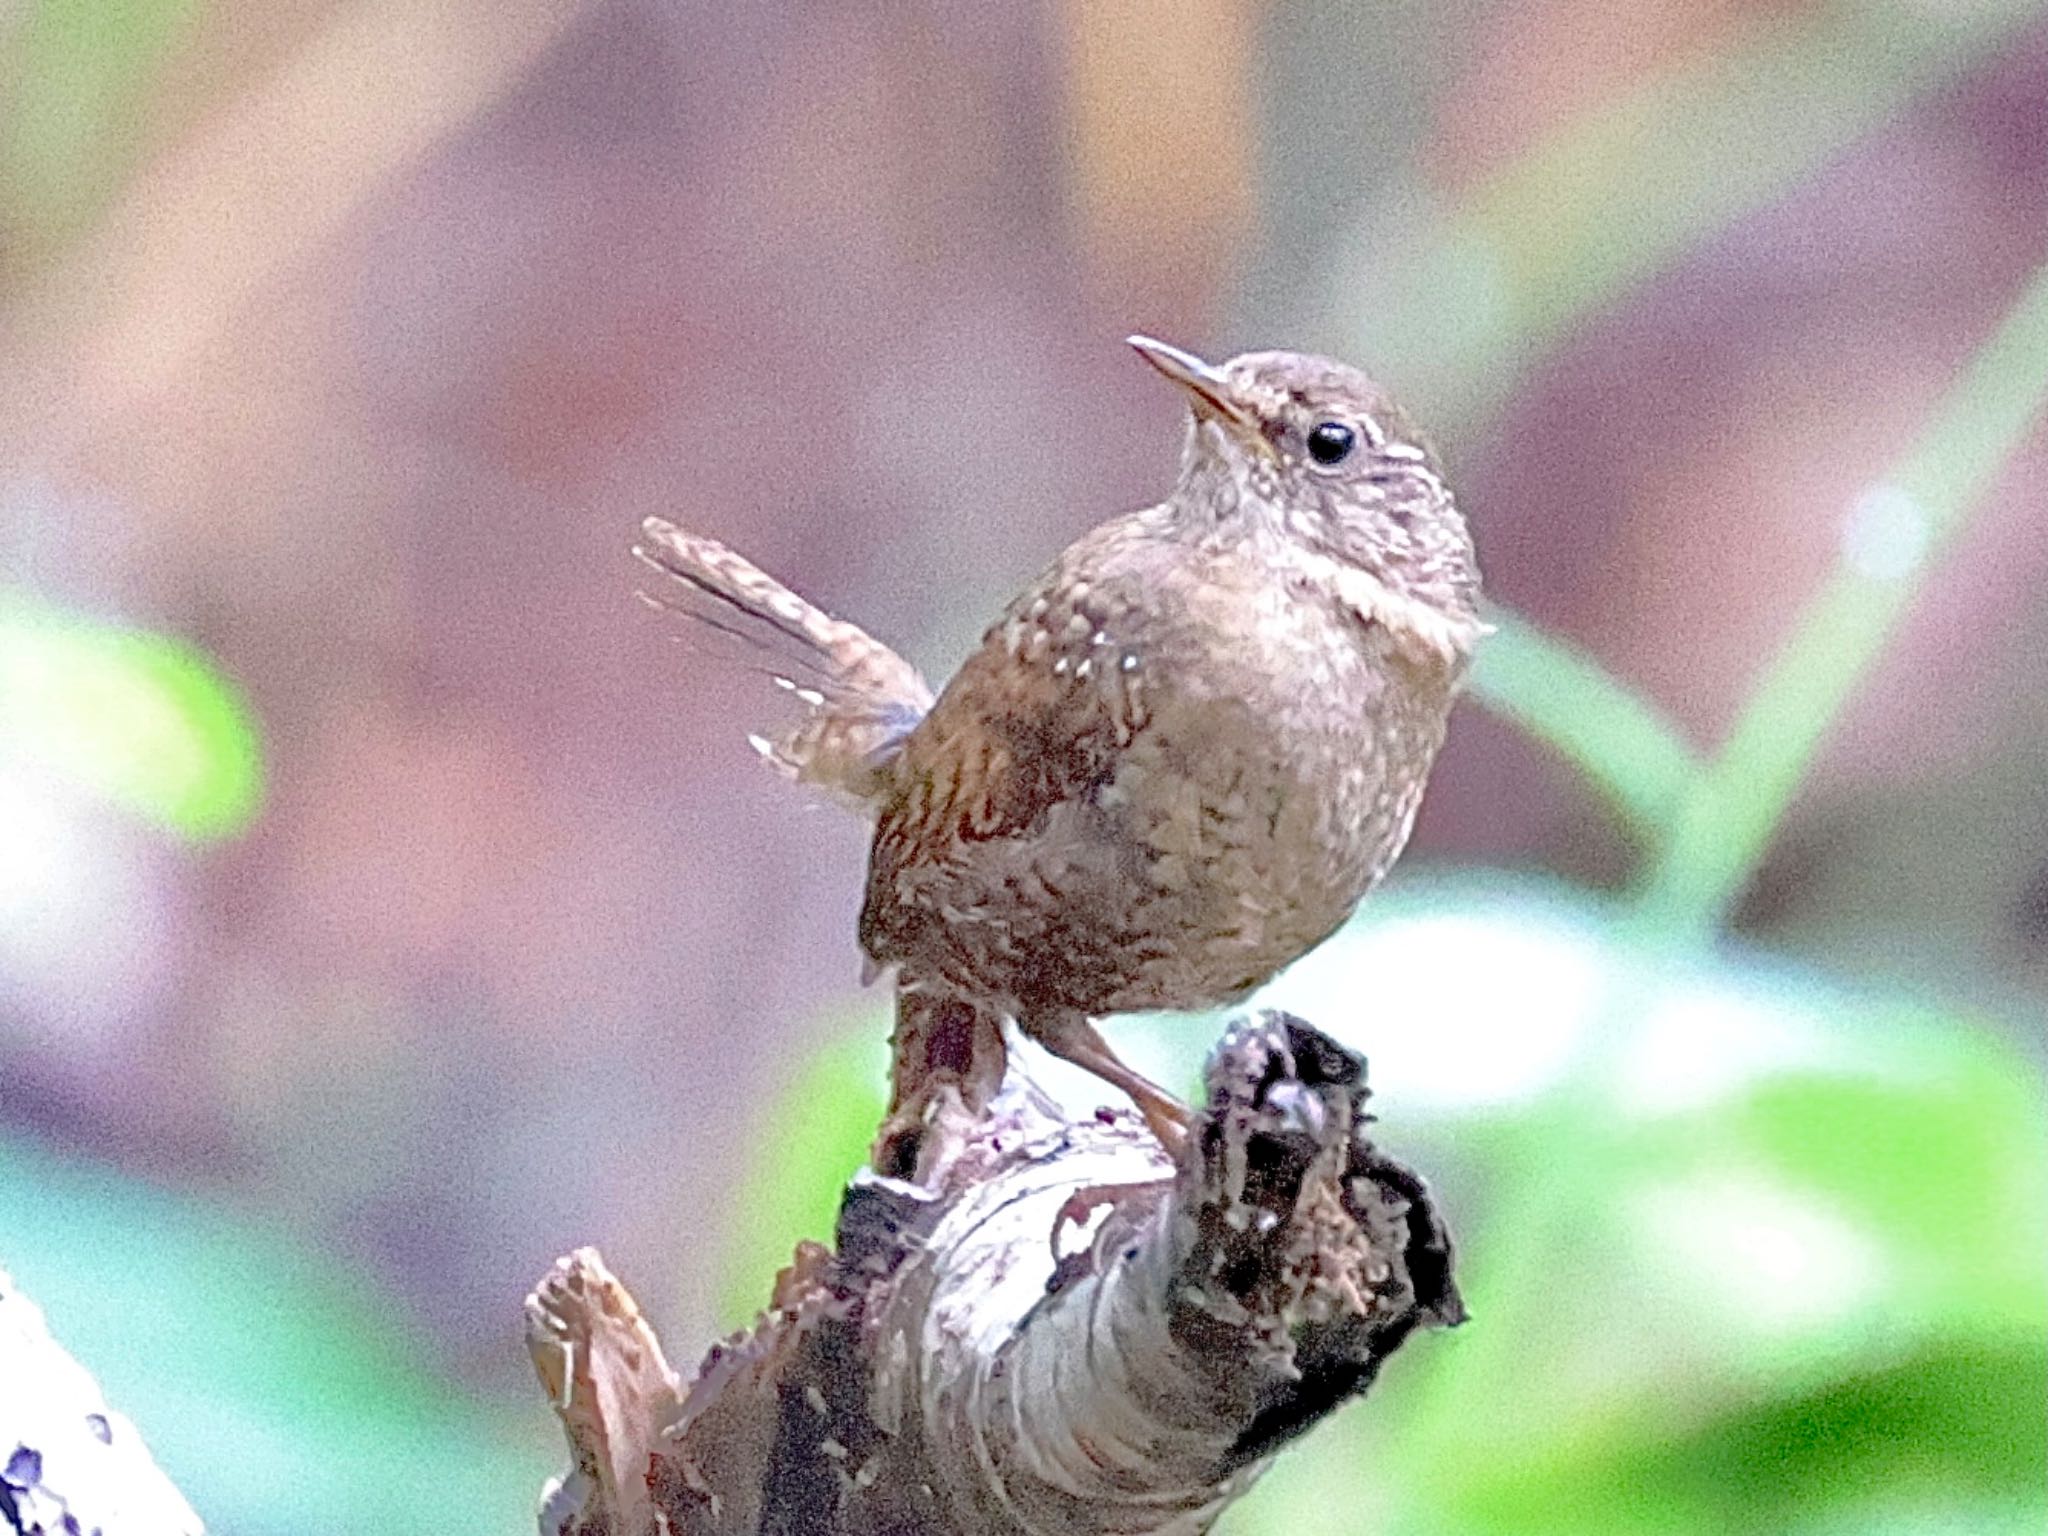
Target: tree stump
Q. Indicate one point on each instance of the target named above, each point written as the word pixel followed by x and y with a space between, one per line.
pixel 68 1462
pixel 1057 1332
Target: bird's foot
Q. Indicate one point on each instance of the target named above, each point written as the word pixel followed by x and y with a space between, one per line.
pixel 1169 1120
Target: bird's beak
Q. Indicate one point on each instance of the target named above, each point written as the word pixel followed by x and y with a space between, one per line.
pixel 1213 393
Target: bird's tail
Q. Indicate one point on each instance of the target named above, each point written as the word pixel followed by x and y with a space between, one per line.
pixel 860 699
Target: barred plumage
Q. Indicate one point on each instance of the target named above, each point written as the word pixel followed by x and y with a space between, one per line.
pixel 860 699
pixel 1178 760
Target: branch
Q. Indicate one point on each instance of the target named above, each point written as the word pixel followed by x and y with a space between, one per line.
pixel 68 1462
pixel 1059 1333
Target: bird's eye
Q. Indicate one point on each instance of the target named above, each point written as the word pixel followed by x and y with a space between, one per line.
pixel 1331 442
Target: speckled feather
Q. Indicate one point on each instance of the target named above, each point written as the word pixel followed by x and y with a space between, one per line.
pixel 1182 755
pixel 859 698
pixel 1107 811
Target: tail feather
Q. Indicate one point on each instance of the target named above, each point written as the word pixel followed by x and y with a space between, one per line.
pixel 860 699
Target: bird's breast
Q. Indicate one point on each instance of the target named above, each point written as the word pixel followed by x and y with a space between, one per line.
pixel 1271 789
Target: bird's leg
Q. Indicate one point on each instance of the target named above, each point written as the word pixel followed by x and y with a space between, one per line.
pixel 940 1042
pixel 1073 1037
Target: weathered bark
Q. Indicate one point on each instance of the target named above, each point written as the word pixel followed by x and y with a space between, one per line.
pixel 1056 1332
pixel 68 1462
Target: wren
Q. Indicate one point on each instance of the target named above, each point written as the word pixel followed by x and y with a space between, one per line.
pixel 1176 762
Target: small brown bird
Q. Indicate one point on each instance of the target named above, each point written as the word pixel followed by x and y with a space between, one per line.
pixel 1181 756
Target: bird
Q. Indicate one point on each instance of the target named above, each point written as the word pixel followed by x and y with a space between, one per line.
pixel 1179 758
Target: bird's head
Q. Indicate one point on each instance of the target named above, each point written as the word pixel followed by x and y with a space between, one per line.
pixel 1316 451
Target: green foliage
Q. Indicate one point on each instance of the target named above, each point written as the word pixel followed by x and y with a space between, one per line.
pixel 142 719
pixel 1753 1251
pixel 1896 528
pixel 820 1126
pixel 1619 741
pixel 72 89
pixel 277 1393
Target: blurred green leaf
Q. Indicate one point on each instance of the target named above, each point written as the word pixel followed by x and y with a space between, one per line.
pixel 1948 1175
pixel 1463 306
pixel 143 719
pixel 1946 1431
pixel 1620 742
pixel 1775 1254
pixel 1889 542
pixel 281 1397
pixel 1773 1215
pixel 820 1128
pixel 71 86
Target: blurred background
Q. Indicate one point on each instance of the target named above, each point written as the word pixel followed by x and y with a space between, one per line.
pixel 388 902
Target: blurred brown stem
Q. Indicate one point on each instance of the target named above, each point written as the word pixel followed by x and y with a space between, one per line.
pixel 1059 1332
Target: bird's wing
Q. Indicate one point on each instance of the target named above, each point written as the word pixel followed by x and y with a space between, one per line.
pixel 1038 717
